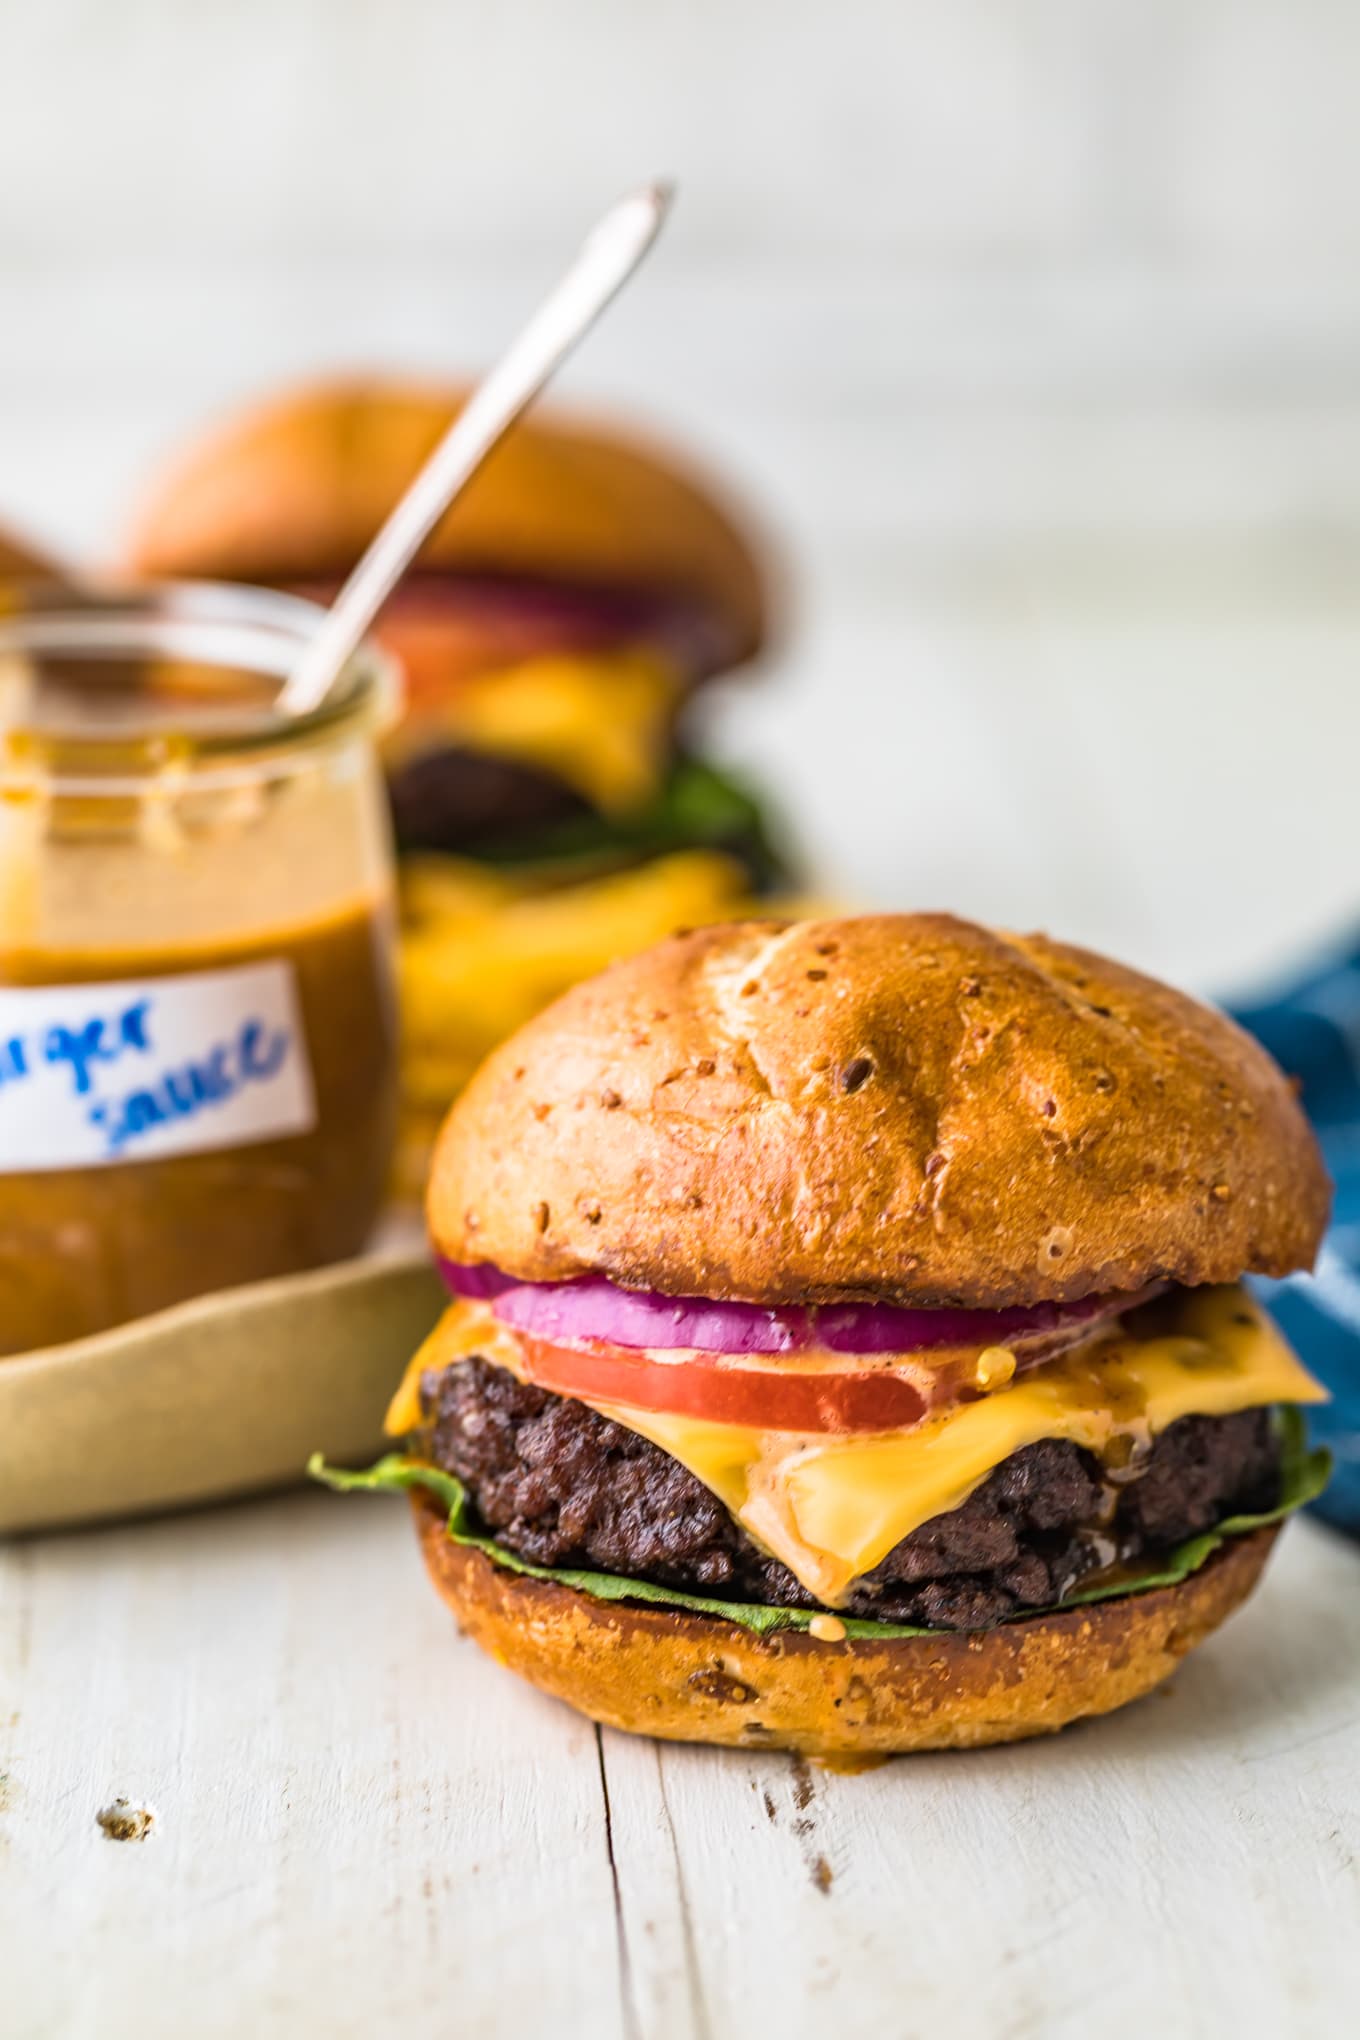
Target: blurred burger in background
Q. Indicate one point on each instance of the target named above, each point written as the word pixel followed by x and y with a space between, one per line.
pixel 552 808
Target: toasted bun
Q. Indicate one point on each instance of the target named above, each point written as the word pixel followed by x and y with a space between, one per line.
pixel 902 1106
pixel 693 1678
pixel 295 489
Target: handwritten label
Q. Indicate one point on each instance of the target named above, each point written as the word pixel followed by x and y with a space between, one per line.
pixel 138 1070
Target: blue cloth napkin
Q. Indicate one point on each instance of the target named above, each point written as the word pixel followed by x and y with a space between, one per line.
pixel 1312 1028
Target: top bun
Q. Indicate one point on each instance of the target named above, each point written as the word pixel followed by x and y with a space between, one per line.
pixel 902 1107
pixel 294 490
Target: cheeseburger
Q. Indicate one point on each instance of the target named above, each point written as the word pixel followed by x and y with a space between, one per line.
pixel 849 1349
pixel 552 634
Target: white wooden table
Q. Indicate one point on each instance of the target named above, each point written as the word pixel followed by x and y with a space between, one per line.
pixel 359 1822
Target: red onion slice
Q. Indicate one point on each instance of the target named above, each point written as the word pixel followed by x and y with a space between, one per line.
pixel 593 1308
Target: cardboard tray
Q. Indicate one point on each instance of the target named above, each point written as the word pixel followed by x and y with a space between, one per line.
pixel 222 1396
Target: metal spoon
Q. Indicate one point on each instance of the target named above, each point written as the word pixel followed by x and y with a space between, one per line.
pixel 609 255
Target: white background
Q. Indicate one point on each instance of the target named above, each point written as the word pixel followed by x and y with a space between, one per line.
pixel 1033 330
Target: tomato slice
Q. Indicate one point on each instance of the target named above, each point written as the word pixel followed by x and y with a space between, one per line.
pixel 722 1391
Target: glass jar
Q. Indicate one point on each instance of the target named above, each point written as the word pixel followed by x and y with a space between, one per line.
pixel 197 1003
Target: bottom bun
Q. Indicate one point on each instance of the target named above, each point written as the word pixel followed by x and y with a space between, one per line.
pixel 695 1678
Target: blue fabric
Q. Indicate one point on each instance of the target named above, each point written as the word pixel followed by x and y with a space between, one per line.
pixel 1312 1028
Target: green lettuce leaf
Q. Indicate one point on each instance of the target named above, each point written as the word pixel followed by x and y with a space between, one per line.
pixel 1303 1476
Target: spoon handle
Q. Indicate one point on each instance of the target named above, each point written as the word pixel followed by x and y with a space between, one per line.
pixel 607 258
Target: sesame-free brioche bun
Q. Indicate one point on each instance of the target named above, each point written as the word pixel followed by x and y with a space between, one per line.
pixel 294 489
pixel 903 1107
pixel 695 1678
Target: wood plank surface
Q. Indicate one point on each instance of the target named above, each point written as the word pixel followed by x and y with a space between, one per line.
pixel 358 1821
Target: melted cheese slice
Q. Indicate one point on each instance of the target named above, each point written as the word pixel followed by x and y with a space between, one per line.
pixel 464 1329
pixel 600 721
pixel 831 1507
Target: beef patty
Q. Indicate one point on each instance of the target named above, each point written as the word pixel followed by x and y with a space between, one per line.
pixel 466 802
pixel 562 1486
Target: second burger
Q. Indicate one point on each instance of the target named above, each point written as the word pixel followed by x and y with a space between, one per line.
pixel 550 799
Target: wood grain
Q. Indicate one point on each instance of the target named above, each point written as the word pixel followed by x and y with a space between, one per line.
pixel 358 1821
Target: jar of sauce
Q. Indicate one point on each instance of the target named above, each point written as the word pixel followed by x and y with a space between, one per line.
pixel 197 1006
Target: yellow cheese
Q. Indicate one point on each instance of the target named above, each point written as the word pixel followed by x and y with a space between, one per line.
pixel 831 1507
pixel 600 721
pixel 464 1329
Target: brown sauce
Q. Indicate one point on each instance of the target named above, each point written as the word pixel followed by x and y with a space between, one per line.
pixel 85 1248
